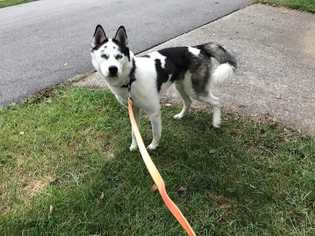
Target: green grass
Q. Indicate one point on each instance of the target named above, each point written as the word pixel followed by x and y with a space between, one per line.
pixel 66 170
pixel 305 5
pixel 6 3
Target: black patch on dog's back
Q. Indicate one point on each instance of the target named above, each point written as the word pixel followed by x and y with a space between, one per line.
pixel 177 63
pixel 179 56
pixel 183 61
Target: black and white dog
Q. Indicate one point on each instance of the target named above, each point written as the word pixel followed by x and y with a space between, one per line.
pixel 189 68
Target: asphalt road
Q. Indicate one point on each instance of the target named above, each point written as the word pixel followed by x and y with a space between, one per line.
pixel 45 42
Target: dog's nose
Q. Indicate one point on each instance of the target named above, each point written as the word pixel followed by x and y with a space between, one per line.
pixel 113 70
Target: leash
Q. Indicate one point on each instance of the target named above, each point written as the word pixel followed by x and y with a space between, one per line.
pixel 157 178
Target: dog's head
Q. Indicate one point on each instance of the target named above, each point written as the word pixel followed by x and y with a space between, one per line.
pixel 110 57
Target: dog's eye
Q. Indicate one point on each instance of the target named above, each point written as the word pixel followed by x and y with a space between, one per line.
pixel 118 57
pixel 105 56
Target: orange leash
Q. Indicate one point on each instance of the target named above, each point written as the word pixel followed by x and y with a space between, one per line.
pixel 157 178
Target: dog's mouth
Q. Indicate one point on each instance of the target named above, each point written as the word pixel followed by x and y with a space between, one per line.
pixel 113 76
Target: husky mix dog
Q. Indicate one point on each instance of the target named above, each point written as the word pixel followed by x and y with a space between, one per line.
pixel 189 68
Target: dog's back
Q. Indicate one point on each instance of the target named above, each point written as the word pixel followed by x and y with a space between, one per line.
pixel 177 63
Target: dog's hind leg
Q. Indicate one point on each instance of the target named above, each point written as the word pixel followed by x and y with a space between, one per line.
pixel 156 124
pixel 134 144
pixel 186 100
pixel 215 102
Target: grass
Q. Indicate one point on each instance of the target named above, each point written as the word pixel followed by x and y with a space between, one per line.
pixel 6 3
pixel 66 170
pixel 305 5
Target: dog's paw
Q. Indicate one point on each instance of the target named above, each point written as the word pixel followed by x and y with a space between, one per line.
pixel 216 124
pixel 152 146
pixel 133 147
pixel 178 116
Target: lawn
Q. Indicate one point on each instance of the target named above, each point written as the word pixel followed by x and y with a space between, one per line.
pixel 66 170
pixel 305 5
pixel 6 3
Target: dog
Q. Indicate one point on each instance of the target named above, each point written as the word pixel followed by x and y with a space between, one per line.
pixel 189 68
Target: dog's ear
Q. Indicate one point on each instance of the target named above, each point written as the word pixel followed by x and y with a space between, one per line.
pixel 121 35
pixel 99 37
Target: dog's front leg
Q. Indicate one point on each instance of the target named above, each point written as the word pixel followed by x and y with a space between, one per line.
pixel 134 144
pixel 156 124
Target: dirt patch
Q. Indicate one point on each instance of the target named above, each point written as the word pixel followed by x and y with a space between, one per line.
pixel 94 81
pixel 35 186
pixel 23 189
pixel 42 95
pixel 3 207
pixel 227 206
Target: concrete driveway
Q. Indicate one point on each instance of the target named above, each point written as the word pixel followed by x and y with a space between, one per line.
pixel 275 48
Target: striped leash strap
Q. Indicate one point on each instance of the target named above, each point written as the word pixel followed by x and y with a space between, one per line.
pixel 157 178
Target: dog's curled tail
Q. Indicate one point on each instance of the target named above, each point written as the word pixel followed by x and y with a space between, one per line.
pixel 227 62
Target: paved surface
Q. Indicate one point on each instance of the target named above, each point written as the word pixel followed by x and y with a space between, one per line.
pixel 45 42
pixel 276 53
